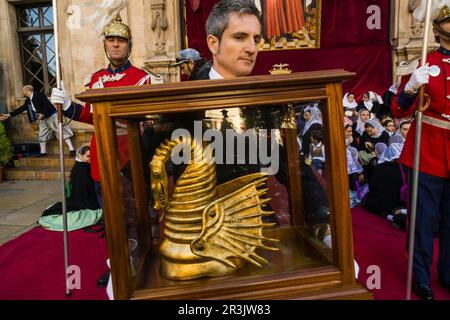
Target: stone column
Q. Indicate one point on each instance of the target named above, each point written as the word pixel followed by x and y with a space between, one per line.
pixel 165 38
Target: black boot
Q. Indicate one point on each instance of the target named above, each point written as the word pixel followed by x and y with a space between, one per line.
pixel 423 291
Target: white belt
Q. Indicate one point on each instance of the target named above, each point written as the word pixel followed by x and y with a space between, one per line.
pixel 443 124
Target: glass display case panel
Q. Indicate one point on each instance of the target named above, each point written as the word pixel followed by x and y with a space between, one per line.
pixel 236 143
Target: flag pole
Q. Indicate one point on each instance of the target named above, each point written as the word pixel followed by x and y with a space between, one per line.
pixel 415 181
pixel 61 150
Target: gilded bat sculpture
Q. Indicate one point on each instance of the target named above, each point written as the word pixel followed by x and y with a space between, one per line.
pixel 209 230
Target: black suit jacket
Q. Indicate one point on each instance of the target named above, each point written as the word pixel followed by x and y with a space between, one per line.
pixel 41 104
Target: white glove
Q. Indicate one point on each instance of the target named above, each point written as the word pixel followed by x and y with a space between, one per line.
pixel 59 96
pixel 418 78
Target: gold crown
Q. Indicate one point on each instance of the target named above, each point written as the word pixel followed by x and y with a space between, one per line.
pixel 117 28
pixel 281 68
pixel 444 14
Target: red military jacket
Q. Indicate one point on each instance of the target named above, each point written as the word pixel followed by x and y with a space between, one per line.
pixel 435 141
pixel 126 75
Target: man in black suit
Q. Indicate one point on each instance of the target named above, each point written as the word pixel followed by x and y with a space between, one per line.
pixel 38 107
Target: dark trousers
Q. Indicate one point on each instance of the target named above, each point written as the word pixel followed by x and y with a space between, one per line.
pixel 433 207
pixel 98 191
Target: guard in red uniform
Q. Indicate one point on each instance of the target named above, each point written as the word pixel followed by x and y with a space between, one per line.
pixel 117 44
pixel 120 72
pixel 433 200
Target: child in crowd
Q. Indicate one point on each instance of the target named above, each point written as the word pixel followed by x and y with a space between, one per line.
pixel 317 151
pixel 81 199
pixel 385 184
pixel 389 126
pixel 363 116
pixel 355 174
pixel 372 102
pixel 353 139
pixel 350 105
pixel 373 134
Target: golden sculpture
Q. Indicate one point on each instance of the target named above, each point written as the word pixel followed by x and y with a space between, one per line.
pixel 209 230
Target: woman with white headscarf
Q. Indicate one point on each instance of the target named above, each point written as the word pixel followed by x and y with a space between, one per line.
pixel 373 134
pixel 371 101
pixel 386 182
pixel 313 121
pixel 350 105
pixel 401 133
pixel 380 147
pixel 363 116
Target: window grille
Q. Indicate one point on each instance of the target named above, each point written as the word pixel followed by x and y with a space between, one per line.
pixel 37 45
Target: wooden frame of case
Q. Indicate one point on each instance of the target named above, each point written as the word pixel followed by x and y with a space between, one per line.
pixel 133 103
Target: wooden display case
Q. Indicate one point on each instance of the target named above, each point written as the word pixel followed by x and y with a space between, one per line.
pixel 304 267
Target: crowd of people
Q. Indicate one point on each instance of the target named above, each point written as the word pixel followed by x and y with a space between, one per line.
pixel 374 137
pixel 374 140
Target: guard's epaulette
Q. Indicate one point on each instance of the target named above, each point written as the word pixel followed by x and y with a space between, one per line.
pixel 155 77
pixel 88 79
pixel 407 67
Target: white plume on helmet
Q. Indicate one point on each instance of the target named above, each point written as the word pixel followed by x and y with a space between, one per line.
pixel 419 12
pixel 105 13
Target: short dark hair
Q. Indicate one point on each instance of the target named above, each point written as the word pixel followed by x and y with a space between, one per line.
pixel 404 122
pixel 217 20
pixel 82 150
pixel 317 135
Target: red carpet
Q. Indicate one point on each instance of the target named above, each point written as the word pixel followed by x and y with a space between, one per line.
pixel 32 266
pixel 376 242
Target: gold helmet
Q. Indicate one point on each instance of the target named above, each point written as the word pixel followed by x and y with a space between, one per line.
pixel 444 15
pixel 116 28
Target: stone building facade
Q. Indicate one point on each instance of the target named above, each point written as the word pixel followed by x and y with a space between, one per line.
pixel 407 33
pixel 156 26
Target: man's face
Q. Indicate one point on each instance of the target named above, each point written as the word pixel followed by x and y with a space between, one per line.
pixel 307 115
pixel 117 49
pixel 371 131
pixel 235 54
pixel 187 68
pixel 404 129
pixel 26 93
pixel 445 41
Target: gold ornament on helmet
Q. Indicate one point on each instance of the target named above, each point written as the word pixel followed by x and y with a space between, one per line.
pixel 444 14
pixel 116 28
